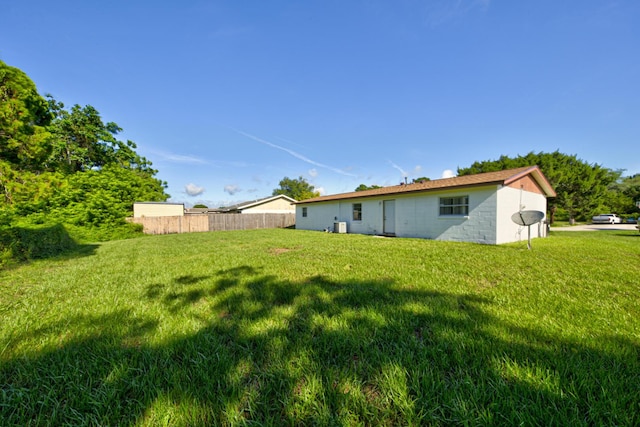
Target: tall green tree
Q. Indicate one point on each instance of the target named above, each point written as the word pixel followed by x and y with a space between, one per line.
pixel 24 117
pixel 82 141
pixel 624 195
pixel 630 186
pixel 581 187
pixel 25 141
pixel 298 189
pixel 65 165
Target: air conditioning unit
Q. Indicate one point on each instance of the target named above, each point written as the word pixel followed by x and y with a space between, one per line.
pixel 340 227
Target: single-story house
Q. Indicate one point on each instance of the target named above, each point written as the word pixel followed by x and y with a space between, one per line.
pixel 471 208
pixel 154 209
pixel 274 204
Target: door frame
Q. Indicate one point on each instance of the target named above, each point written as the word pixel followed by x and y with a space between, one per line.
pixel 389 225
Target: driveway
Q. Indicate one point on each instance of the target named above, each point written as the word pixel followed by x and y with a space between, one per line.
pixel 596 227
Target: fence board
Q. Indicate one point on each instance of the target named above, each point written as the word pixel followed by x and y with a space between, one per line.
pixel 213 222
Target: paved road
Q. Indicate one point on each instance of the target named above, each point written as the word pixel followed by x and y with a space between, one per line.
pixel 596 227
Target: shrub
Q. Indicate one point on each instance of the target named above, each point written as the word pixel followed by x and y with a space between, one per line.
pixel 36 241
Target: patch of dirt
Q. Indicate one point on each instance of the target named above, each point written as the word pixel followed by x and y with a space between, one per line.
pixel 278 251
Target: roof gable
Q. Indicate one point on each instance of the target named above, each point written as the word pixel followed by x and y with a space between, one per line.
pixel 503 177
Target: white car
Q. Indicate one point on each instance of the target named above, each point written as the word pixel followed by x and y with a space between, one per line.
pixel 606 219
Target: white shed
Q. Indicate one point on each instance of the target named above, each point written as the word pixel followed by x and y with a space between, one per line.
pixel 470 208
pixel 155 209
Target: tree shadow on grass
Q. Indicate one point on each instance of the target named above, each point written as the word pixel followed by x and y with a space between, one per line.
pixel 319 351
pixel 41 242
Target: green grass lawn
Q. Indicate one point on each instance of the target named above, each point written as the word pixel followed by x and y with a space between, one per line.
pixel 286 327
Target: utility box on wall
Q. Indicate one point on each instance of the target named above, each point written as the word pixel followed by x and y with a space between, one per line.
pixel 340 227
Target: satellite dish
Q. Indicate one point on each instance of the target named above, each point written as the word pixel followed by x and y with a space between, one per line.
pixel 527 218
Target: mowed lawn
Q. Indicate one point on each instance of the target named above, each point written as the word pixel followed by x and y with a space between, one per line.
pixel 289 327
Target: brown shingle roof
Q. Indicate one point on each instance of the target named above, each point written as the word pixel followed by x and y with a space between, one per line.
pixel 500 177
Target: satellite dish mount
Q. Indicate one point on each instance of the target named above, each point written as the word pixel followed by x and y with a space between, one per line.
pixel 527 218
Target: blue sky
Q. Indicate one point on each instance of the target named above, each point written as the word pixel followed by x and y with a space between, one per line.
pixel 228 97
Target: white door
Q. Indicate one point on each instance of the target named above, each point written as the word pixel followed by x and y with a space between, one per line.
pixel 389 214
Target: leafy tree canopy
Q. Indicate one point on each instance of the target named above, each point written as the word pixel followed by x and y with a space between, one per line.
pixel 421 179
pixel 624 195
pixel 82 141
pixel 581 188
pixel 24 117
pixel 65 165
pixel 200 206
pixel 298 189
pixel 363 187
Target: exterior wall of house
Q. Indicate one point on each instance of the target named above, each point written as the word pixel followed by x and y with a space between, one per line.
pixel 151 209
pixel 485 218
pixel 321 216
pixel 416 215
pixel 509 200
pixel 420 217
pixel 273 206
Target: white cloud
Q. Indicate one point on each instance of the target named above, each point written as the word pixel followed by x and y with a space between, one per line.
pixel 321 190
pixel 313 173
pixel 448 173
pixel 193 190
pixel 231 189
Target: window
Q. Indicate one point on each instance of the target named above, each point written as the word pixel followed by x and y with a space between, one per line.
pixel 454 205
pixel 304 212
pixel 357 211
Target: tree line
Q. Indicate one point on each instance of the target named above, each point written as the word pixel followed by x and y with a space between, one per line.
pixel 65 165
pixel 582 189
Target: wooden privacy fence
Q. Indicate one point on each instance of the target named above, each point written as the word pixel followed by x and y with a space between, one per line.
pixel 213 222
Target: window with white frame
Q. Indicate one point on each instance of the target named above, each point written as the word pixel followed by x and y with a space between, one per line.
pixel 304 212
pixel 454 206
pixel 357 211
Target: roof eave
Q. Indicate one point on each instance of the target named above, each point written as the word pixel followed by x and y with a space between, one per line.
pixel 352 196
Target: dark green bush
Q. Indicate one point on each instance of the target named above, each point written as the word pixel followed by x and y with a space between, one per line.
pixel 104 233
pixel 21 243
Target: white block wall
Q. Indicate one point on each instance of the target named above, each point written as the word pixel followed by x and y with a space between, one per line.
pixel 489 220
pixel 509 201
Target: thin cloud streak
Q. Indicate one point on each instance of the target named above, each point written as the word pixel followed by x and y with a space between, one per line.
pixel 179 158
pixel 294 154
pixel 192 160
pixel 402 171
